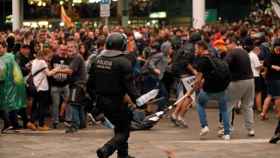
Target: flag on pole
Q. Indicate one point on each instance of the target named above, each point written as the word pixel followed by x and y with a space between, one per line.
pixel 66 19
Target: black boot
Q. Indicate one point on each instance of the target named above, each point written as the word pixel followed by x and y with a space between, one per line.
pixel 101 153
pixel 277 130
pixel 276 136
pixel 128 156
pixel 275 139
pixel 123 151
pixel 106 151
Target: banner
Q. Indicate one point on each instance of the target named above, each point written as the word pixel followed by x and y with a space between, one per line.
pixel 188 83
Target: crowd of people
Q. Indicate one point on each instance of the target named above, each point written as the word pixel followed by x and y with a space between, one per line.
pixel 44 73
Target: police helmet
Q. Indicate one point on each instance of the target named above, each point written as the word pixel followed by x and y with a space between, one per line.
pixel 116 41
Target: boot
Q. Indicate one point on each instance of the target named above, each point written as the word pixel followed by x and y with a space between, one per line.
pixel 276 136
pixel 102 153
pixel 123 151
pixel 106 151
pixel 128 156
pixel 275 139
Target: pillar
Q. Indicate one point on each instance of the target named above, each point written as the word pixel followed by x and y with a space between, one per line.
pixel 198 11
pixel 16 10
pixel 122 11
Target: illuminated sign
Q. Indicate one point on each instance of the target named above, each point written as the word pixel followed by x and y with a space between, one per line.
pixel 158 15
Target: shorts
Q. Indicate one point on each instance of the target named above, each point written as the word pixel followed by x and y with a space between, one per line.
pixel 273 88
pixel 259 84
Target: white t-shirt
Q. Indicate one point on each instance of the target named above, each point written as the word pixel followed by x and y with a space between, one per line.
pixel 40 80
pixel 255 63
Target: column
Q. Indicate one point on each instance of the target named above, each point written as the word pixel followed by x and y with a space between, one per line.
pixel 198 10
pixel 16 9
pixel 125 13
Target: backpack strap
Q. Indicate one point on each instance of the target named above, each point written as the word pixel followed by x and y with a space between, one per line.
pixel 36 73
pixel 213 64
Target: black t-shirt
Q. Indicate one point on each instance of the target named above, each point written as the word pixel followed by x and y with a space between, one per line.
pixel 23 63
pixel 273 59
pixel 78 67
pixel 203 65
pixel 181 59
pixel 239 64
pixel 60 79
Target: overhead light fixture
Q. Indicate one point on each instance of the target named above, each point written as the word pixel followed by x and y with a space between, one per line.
pixel 39 3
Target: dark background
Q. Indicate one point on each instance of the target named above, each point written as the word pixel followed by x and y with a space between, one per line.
pixel 229 10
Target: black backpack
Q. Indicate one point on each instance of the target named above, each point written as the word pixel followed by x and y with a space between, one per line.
pixel 219 77
pixel 181 59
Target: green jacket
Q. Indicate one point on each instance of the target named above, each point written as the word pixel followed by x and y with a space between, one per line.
pixel 12 84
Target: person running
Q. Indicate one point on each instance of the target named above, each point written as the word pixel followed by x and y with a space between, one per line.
pixel 212 80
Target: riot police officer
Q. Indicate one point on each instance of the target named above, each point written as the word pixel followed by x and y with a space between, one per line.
pixel 110 79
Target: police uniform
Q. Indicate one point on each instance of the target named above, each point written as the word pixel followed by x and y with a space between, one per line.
pixel 110 78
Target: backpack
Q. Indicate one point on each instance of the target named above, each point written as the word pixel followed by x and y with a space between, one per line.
pixel 78 94
pixel 31 88
pixel 181 59
pixel 219 77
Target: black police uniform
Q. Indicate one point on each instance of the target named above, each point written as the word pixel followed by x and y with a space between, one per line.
pixel 110 78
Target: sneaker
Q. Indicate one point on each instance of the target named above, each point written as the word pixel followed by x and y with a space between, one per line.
pixel 6 129
pixel 31 126
pixel 226 137
pixel 44 128
pixel 238 111
pixel 263 117
pixel 174 121
pixel 67 124
pixel 251 133
pixel 221 125
pixel 275 139
pixel 204 131
pixel 70 130
pixel 182 123
pixel 55 125
pixel 222 132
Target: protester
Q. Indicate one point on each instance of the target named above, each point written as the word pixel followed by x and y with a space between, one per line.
pixel 212 79
pixel 182 67
pixel 77 83
pixel 59 83
pixel 3 82
pixel 13 94
pixel 256 67
pixel 41 102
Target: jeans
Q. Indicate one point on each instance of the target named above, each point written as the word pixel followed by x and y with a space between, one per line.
pixel 56 93
pixel 202 100
pixel 78 116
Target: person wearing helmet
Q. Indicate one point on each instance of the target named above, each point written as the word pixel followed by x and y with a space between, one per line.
pixel 110 79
